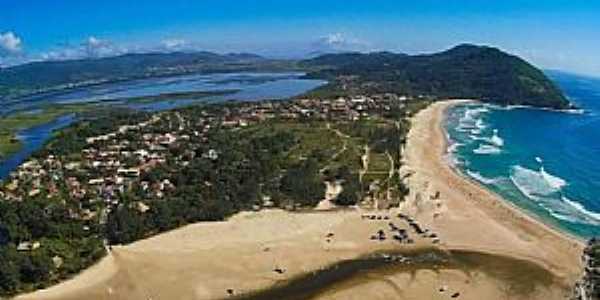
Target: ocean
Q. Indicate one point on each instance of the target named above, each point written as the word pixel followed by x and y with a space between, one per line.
pixel 545 162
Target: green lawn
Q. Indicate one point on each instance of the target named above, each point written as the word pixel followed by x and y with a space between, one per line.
pixel 378 163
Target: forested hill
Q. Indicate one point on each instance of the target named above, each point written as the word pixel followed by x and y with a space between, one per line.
pixel 465 71
pixel 37 76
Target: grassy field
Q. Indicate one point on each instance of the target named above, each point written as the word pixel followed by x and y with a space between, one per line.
pixel 335 150
pixel 378 163
pixel 8 144
pixel 313 137
pixel 351 156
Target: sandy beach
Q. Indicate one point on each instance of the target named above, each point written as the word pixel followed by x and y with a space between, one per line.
pixel 256 250
pixel 470 216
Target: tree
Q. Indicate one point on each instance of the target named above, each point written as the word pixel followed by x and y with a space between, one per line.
pixel 124 225
pixel 35 268
pixel 302 183
pixel 350 194
pixel 9 271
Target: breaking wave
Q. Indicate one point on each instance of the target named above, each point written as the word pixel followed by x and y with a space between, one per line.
pixel 494 140
pixel 480 125
pixel 546 190
pixel 497 140
pixel 534 184
pixel 471 120
pixel 477 176
pixel 454 146
pixel 579 207
pixel 487 150
pixel 554 181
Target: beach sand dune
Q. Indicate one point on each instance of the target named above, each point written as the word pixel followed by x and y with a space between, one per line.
pixel 256 250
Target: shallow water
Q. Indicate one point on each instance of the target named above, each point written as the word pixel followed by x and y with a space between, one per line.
pixel 32 139
pixel 543 161
pixel 520 277
pixel 251 86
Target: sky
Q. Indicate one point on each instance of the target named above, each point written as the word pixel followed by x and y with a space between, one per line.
pixel 552 34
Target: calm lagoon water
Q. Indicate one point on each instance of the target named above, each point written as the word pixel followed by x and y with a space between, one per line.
pixel 32 139
pixel 545 162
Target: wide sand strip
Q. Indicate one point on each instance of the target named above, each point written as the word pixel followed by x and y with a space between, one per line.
pixel 256 250
pixel 468 215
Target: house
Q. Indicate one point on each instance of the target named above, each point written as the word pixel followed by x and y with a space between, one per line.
pixel 212 154
pixel 34 192
pixel 28 246
pixel 96 181
pixel 133 172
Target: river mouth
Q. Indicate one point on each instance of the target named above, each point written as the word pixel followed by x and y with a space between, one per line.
pixel 519 277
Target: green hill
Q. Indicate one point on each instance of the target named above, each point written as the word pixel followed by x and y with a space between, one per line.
pixel 34 76
pixel 465 71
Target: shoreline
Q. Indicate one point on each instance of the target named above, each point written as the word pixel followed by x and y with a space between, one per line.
pixel 534 218
pixel 429 134
pixel 255 251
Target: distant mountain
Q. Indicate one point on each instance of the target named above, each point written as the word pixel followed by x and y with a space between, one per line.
pixel 36 76
pixel 465 71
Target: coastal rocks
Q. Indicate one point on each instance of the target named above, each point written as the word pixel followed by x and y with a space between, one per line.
pixel 588 288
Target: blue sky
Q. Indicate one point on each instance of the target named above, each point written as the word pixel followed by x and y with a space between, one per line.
pixel 556 34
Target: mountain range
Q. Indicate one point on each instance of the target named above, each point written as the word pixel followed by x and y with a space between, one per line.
pixel 465 71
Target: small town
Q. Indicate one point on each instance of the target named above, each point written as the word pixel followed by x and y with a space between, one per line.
pixel 123 160
pixel 299 150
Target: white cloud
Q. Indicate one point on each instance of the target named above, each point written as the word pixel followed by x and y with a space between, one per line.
pixel 91 47
pixel 10 43
pixel 337 42
pixel 174 44
pixel 95 47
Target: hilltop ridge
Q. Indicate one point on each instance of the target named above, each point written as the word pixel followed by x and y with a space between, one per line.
pixel 465 71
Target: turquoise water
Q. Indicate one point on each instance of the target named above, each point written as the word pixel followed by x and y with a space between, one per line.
pixel 546 162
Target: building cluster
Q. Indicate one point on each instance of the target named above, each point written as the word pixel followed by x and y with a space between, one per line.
pixel 118 161
pixel 342 108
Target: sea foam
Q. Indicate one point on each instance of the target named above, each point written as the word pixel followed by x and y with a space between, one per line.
pixel 484 149
pixel 554 181
pixel 534 184
pixel 454 146
pixel 579 207
pixel 496 139
pixel 471 120
pixel 477 176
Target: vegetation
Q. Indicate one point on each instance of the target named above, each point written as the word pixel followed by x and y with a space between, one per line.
pixel 589 286
pixel 284 162
pixel 465 71
pixel 10 125
pixel 69 245
pixel 171 96
pixel 54 75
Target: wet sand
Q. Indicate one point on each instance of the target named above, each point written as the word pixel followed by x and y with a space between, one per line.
pixel 426 273
pixel 258 250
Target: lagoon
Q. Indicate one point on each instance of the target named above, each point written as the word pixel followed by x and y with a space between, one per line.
pixel 247 87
